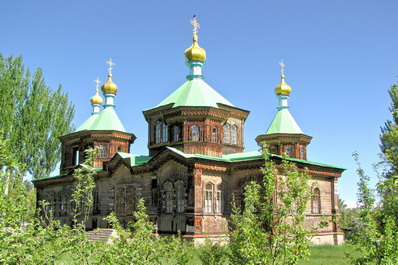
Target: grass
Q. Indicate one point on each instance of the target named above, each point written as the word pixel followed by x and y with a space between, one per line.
pixel 328 255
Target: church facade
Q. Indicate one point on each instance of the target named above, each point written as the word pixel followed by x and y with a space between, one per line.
pixel 196 163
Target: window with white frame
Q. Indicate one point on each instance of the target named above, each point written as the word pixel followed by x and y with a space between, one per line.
pixel 195 133
pixel 316 201
pixel 227 133
pixel 214 137
pixel 209 198
pixel 234 134
pixel 180 196
pixel 218 199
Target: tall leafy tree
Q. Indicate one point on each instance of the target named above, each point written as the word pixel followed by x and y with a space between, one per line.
pixel 270 229
pixel 389 147
pixel 32 116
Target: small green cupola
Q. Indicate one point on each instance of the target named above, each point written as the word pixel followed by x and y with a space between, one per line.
pixel 103 128
pixel 284 135
pixel 96 102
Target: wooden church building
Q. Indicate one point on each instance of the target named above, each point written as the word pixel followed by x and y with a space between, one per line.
pixel 196 162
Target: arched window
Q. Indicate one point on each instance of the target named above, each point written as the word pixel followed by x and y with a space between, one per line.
pixel 209 198
pixel 214 135
pixel 288 151
pixel 158 133
pixel 195 133
pixel 218 199
pixel 227 133
pixel 180 196
pixel 316 201
pixel 165 133
pixel 176 134
pixel 234 136
pixel 169 197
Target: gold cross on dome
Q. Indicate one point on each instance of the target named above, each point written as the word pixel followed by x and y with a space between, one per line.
pixel 195 25
pixel 110 65
pixel 283 66
pixel 98 82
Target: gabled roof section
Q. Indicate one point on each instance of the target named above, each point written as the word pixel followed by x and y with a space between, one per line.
pixel 88 123
pixel 135 159
pixel 108 120
pixel 284 123
pixel 195 93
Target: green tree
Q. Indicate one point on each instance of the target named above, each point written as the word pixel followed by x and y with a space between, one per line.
pixel 387 187
pixel 374 233
pixel 32 117
pixel 84 186
pixel 270 229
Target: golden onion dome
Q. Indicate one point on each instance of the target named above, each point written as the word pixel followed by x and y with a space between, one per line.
pixel 109 86
pixel 195 53
pixel 96 99
pixel 283 88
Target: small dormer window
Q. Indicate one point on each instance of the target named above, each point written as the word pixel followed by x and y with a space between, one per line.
pixel 195 133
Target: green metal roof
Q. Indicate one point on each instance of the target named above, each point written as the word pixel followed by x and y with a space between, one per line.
pixel 135 159
pixel 87 124
pixel 253 155
pixel 108 120
pixel 284 123
pixel 195 93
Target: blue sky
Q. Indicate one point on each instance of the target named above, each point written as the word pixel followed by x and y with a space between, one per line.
pixel 341 57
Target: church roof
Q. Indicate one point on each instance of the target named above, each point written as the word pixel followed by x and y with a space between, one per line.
pixel 88 123
pixel 195 93
pixel 108 120
pixel 253 155
pixel 284 123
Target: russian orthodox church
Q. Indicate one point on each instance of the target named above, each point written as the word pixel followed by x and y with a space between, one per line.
pixel 196 163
